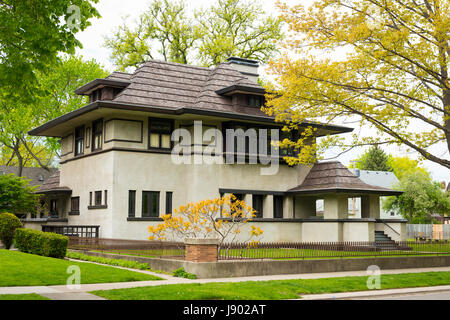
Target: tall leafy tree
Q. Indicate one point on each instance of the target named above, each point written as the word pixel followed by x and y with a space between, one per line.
pixel 32 34
pixel 421 198
pixel 17 118
pixel 168 31
pixel 404 166
pixel 374 159
pixel 383 63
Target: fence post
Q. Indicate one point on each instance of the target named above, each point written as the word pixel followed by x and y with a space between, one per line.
pixel 201 250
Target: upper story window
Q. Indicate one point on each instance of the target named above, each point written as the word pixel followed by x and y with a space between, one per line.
pixel 255 101
pixel 97 135
pixel 79 140
pixel 160 131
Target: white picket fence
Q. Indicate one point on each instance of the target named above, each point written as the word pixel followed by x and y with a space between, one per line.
pixel 426 231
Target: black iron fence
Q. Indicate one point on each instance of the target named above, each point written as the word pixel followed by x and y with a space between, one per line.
pixel 152 249
pixel 74 231
pixel 326 250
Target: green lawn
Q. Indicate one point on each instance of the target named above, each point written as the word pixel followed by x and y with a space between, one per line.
pixel 31 296
pixel 272 290
pixel 23 269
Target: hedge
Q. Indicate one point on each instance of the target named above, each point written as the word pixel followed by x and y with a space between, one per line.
pixel 41 243
pixel 8 223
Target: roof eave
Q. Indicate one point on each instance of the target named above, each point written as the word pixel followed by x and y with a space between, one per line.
pixel 241 88
pixel 94 84
pixel 346 190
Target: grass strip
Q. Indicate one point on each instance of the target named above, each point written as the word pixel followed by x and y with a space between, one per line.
pixel 31 296
pixel 23 269
pixel 274 289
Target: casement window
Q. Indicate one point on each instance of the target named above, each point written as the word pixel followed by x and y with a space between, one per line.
pixel 97 135
pixel 90 198
pixel 53 207
pixel 169 202
pixel 79 140
pixel 160 132
pixel 150 204
pixel 75 204
pixel 97 198
pixel 278 206
pixel 131 203
pixel 106 197
pixel 255 101
pixel 257 205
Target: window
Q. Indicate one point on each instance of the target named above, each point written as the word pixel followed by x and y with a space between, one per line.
pixel 90 198
pixel 159 134
pixel 106 197
pixel 257 205
pixel 98 198
pixel 79 140
pixel 97 134
pixel 75 204
pixel 278 206
pixel 255 101
pixel 132 203
pixel 239 197
pixel 150 204
pixel 168 202
pixel 54 207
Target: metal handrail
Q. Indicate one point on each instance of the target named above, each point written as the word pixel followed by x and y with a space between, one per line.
pixel 390 227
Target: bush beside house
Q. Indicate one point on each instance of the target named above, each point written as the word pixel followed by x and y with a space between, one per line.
pixel 8 224
pixel 41 243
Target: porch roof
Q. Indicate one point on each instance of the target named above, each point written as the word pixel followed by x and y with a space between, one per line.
pixel 52 186
pixel 334 177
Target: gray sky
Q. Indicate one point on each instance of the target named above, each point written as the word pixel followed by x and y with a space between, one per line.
pixel 112 12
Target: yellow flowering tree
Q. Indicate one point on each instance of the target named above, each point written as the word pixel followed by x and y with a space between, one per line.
pixel 221 218
pixel 383 64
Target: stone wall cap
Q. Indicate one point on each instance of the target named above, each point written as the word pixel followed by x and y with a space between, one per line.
pixel 202 241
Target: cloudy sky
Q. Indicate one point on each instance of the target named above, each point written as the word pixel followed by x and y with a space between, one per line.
pixel 112 12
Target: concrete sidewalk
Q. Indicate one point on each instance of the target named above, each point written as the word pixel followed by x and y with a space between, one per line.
pixel 63 292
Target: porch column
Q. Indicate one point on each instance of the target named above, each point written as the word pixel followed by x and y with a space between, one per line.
pixel 370 206
pixel 305 207
pixel 288 208
pixel 268 206
pixel 335 206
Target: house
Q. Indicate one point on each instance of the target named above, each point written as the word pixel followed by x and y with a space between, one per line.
pixel 36 176
pixel 169 134
pixel 383 179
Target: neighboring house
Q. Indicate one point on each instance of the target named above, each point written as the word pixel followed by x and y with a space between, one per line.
pixel 377 178
pixel 36 176
pixel 119 172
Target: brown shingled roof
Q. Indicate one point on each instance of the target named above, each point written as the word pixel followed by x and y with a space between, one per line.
pixel 331 177
pixel 37 176
pixel 51 185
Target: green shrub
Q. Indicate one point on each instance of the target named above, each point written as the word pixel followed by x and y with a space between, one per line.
pixel 181 273
pixel 8 224
pixel 41 243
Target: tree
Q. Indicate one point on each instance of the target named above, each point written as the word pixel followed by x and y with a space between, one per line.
pixel 374 159
pixel 382 63
pixel 167 31
pixel 404 166
pixel 32 34
pixel 16 195
pixel 17 118
pixel 421 198
pixel 221 218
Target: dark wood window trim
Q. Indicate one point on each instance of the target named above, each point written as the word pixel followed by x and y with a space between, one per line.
pixel 144 219
pixel 88 137
pixel 278 207
pixel 97 132
pixel 79 140
pixel 258 205
pixel 74 206
pixel 97 201
pixel 160 132
pixel 90 198
pixel 131 203
pixel 147 201
pixel 169 196
pixel 97 207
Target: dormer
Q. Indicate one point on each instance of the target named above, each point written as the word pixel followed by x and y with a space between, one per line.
pixel 102 89
pixel 246 91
